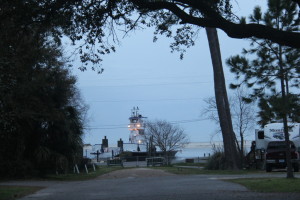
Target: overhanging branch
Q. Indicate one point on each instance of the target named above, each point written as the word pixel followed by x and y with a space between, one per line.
pixel 215 20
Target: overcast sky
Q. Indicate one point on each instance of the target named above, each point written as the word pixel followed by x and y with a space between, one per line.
pixel 145 74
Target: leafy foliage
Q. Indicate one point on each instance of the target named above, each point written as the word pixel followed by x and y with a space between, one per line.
pixel 271 108
pixel 96 26
pixel 41 113
pixel 271 62
pixel 217 160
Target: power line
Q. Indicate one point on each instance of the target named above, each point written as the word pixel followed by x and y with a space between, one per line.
pixel 122 126
pixel 150 78
pixel 141 100
pixel 186 121
pixel 92 128
pixel 157 84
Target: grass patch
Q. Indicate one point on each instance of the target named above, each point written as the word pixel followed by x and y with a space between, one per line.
pixel 83 175
pixel 190 171
pixel 14 192
pixel 270 184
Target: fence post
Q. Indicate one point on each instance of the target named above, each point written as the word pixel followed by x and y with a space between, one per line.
pixel 76 168
pixel 86 169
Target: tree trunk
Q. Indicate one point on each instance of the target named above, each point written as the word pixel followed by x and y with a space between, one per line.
pixel 242 150
pixel 284 113
pixel 229 138
pixel 241 129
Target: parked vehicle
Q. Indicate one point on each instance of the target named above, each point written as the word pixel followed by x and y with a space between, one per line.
pixel 270 147
pixel 275 156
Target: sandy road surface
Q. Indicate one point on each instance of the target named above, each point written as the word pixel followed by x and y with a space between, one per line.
pixel 135 173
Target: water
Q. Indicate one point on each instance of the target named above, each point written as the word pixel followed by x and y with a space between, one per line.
pixel 202 149
pixel 194 152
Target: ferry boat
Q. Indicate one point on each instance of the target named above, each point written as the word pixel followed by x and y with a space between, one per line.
pixel 137 147
pixel 139 144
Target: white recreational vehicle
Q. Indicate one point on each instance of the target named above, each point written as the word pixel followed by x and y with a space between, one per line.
pixel 270 145
pixel 274 132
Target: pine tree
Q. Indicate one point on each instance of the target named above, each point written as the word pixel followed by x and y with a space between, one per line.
pixel 273 63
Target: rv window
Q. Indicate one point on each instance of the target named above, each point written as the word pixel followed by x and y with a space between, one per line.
pixel 261 135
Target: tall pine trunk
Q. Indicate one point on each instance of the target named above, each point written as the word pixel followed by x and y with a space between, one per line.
pixel 232 157
pixel 284 113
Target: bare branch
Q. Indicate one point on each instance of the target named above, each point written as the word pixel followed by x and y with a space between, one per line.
pixel 166 136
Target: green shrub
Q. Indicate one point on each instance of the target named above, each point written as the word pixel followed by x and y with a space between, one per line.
pixel 16 169
pixel 216 161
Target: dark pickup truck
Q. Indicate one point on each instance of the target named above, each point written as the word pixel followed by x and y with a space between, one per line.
pixel 276 156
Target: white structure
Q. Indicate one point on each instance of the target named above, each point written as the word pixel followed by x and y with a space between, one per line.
pixel 136 127
pixel 89 149
pixel 137 140
pixel 275 132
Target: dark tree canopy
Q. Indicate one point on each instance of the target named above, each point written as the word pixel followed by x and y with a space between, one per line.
pixel 92 24
pixel 271 62
pixel 93 17
pixel 271 107
pixel 41 114
pixel 205 13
